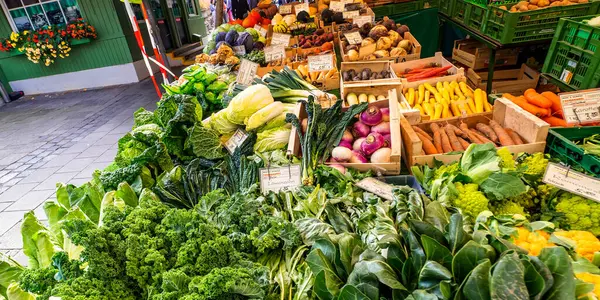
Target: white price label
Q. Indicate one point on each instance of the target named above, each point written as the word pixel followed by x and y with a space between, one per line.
pixel 572 181
pixel 353 37
pixel 347 1
pixel 360 20
pixel 581 107
pixel 239 50
pixel 318 63
pixel 377 187
pixel 260 30
pixel 236 140
pixel 280 179
pixel 285 9
pixel 351 14
pixel 246 72
pixel 274 53
pixel 301 7
pixel 336 6
pixel 280 39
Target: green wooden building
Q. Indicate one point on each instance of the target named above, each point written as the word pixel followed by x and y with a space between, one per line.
pixel 113 58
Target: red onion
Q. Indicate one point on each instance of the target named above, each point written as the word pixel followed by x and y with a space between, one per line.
pixel 357 158
pixel 381 156
pixel 372 116
pixel 341 154
pixel 385 112
pixel 382 128
pixel 339 168
pixel 359 130
pixel 345 144
pixel 357 143
pixel 347 137
pixel 387 140
pixel 372 143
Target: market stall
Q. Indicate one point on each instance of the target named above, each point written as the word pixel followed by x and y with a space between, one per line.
pixel 314 152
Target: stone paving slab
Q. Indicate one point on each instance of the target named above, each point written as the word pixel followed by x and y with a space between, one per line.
pixel 58 138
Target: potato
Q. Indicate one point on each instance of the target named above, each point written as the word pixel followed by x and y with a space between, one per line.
pixel 532 7
pixel 534 2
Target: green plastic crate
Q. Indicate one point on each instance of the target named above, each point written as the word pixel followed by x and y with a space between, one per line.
pixel 540 24
pixel 470 14
pixel 445 7
pixel 561 144
pixel 405 7
pixel 574 56
pixel 382 11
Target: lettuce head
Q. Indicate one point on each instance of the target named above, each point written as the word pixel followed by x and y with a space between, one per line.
pixel 272 139
pixel 479 161
pixel 247 102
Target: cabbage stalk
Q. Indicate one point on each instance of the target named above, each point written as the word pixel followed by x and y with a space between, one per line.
pixel 248 102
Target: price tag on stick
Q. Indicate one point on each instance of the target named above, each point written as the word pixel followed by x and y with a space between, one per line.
pixel 236 140
pixel 285 9
pixel 318 63
pixel 274 53
pixel 351 14
pixel 246 72
pixel 353 37
pixel 377 187
pixel 301 7
pixel 239 50
pixel 261 31
pixel 336 6
pixel 581 107
pixel 280 39
pixel 572 181
pixel 361 20
pixel 280 179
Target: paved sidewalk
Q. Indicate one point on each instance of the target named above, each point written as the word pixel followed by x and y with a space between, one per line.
pixel 58 138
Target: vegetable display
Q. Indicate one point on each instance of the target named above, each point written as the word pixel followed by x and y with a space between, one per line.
pixel 352 98
pixel 386 39
pixel 546 106
pixel 234 35
pixel 364 74
pixel 539 4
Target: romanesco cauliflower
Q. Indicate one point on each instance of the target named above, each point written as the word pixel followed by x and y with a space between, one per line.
pixel 534 164
pixel 470 200
pixel 508 208
pixel 508 162
pixel 580 213
pixel 449 169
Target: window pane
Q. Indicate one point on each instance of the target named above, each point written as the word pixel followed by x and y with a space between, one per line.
pixel 13 3
pixel 20 19
pixel 191 7
pixel 54 14
pixel 137 11
pixel 71 10
pixel 37 16
pixel 29 2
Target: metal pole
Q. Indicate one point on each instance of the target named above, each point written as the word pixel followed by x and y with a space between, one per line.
pixel 219 13
pixel 158 51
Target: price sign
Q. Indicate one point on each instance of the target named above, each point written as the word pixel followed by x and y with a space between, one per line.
pixel 280 39
pixel 239 50
pixel 360 20
pixel 236 140
pixel 572 181
pixel 353 37
pixel 351 14
pixel 318 63
pixel 336 6
pixel 301 7
pixel 581 107
pixel 246 72
pixel 261 30
pixel 274 53
pixel 280 179
pixel 377 187
pixel 285 9
pixel 347 1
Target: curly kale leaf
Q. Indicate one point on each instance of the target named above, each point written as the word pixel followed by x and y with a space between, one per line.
pixel 230 283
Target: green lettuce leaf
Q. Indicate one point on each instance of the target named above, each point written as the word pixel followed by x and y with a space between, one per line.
pixel 205 142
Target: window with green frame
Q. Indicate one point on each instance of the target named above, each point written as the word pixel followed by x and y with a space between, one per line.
pixel 35 14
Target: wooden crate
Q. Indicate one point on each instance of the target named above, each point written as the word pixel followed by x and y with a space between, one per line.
pixel 475 55
pixel 392 168
pixel 375 66
pixel 325 85
pixel 514 81
pixel 532 130
pixel 368 50
pixel 456 72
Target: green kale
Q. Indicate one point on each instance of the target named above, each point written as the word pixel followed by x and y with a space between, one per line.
pixel 89 288
pixel 38 281
pixel 110 180
pixel 142 117
pixel 230 283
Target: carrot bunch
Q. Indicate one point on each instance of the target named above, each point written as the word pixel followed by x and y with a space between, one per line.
pixel 546 106
pixel 449 138
pixel 425 72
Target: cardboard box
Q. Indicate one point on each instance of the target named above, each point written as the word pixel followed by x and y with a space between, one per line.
pixel 370 49
pixel 391 168
pixel 475 55
pixel 456 73
pixel 514 81
pixel 532 130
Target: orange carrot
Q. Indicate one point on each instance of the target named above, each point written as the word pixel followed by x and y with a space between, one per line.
pixel 481 136
pixel 535 110
pixel 536 99
pixel 555 122
pixel 472 137
pixel 463 143
pixel 421 131
pixel 446 146
pixel 457 131
pixel 504 138
pixel 487 131
pixel 428 147
pixel 556 105
pixel 514 136
pixel 456 146
pixel 437 137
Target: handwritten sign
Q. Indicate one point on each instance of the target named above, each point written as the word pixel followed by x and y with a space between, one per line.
pixel 274 53
pixel 361 20
pixel 347 1
pixel 572 181
pixel 351 14
pixel 261 31
pixel 581 107
pixel 280 39
pixel 336 6
pixel 280 179
pixel 239 50
pixel 236 140
pixel 301 7
pixel 285 9
pixel 246 72
pixel 377 187
pixel 318 63
pixel 353 37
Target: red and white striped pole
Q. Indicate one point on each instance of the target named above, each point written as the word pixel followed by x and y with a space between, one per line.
pixel 157 55
pixel 140 41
